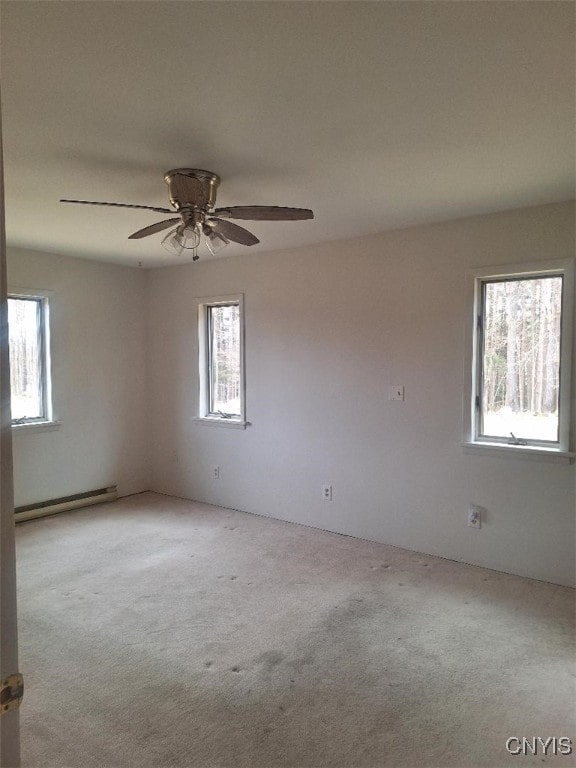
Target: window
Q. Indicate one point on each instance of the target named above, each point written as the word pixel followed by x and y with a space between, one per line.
pixel 29 359
pixel 521 358
pixel 221 346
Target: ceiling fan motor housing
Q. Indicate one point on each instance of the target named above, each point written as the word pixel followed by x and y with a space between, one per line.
pixel 192 187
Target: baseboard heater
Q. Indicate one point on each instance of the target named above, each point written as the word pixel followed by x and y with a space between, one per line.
pixel 65 503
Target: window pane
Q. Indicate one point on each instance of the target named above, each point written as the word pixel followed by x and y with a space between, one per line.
pixel 25 359
pixel 224 329
pixel 521 358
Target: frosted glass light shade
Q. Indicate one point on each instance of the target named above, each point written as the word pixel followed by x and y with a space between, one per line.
pixel 181 238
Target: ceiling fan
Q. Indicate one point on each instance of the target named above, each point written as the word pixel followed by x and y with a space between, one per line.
pixel 192 194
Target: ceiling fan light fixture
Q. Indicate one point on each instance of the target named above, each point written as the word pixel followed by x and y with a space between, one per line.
pixel 188 236
pixel 181 238
pixel 215 242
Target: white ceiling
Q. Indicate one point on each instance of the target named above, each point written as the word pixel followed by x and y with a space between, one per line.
pixel 376 115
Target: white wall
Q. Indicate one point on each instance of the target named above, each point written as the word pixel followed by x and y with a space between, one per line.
pixel 328 329
pixel 99 380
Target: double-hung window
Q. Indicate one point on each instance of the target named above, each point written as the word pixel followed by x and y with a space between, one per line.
pixel 520 366
pixel 28 321
pixel 221 360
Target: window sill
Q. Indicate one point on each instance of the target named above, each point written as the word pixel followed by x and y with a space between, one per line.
pixel 529 452
pixel 36 426
pixel 218 422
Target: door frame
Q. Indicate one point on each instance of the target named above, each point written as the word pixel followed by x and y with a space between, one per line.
pixel 10 722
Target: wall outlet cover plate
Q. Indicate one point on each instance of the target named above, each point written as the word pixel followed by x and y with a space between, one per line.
pixel 396 392
pixel 475 516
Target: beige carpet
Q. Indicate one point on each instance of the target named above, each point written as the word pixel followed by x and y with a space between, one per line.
pixel 161 632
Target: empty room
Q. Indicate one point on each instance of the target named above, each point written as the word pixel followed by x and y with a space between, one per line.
pixel 288 395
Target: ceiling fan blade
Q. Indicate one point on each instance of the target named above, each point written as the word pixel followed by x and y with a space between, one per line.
pixel 153 228
pixel 120 205
pixel 233 232
pixel 265 213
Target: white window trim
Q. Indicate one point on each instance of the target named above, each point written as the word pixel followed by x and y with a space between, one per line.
pixel 36 426
pixel 49 423
pixel 204 417
pixel 474 280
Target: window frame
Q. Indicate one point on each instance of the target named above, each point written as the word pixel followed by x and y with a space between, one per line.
pixel 476 280
pixel 205 414
pixel 42 299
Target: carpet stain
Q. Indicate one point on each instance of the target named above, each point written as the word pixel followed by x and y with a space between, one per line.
pixel 300 663
pixel 270 659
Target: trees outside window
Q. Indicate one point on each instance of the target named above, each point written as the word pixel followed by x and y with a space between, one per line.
pixel 518 367
pixel 521 328
pixel 224 358
pixel 221 360
pixel 29 359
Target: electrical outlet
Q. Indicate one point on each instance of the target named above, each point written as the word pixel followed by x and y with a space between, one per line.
pixel 474 516
pixel 327 492
pixel 396 392
pixel 216 472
